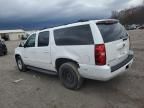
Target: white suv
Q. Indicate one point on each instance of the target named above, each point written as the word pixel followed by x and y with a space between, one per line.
pixel 98 50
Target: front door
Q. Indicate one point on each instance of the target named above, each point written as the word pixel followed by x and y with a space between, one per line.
pixel 29 51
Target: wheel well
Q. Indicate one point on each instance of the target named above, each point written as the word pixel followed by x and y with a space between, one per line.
pixel 61 61
pixel 17 55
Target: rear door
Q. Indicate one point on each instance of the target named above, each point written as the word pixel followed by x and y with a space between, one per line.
pixel 116 41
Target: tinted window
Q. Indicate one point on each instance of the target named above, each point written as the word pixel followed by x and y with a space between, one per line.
pixel 78 35
pixel 0 43
pixel 43 39
pixel 112 31
pixel 31 41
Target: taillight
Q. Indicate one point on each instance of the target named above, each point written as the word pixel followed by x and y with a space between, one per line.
pixel 130 45
pixel 100 54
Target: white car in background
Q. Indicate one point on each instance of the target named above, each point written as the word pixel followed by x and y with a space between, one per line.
pixel 98 50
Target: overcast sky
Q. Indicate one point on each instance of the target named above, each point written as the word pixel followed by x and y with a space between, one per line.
pixel 38 12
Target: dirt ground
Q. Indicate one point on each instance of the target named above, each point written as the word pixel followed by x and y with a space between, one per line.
pixel 38 90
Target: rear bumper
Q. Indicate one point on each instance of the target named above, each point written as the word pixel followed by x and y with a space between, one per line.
pixel 116 67
pixel 106 72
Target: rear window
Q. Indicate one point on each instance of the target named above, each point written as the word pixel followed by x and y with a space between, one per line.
pixel 112 31
pixel 78 35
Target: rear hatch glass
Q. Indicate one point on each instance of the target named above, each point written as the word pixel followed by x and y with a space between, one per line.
pixel 111 31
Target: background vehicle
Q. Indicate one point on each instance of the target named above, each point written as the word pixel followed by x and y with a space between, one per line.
pixel 141 27
pixel 131 27
pixel 3 48
pixel 96 50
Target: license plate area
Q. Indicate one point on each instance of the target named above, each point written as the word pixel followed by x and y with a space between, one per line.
pixel 116 67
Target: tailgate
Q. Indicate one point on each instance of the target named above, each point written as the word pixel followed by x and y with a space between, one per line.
pixel 117 51
pixel 116 41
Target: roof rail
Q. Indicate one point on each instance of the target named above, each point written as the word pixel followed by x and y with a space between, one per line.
pixel 82 20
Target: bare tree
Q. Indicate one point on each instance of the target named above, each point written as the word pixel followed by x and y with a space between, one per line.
pixel 114 15
pixel 133 15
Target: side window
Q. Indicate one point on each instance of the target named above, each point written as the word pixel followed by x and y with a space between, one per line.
pixel 78 35
pixel 31 41
pixel 43 39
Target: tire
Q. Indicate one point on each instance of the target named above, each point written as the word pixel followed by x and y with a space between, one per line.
pixel 69 76
pixel 1 53
pixel 21 66
pixel 5 53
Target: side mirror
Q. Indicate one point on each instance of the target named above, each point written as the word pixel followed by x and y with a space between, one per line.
pixel 21 44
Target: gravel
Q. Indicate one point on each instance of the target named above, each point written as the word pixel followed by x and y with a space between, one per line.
pixel 38 90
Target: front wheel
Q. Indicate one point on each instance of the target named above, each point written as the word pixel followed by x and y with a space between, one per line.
pixel 1 52
pixel 5 53
pixel 69 76
pixel 21 66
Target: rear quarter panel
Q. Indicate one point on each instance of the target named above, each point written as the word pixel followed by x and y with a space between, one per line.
pixel 96 34
pixel 83 54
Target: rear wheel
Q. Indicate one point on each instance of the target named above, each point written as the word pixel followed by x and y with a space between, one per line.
pixel 20 64
pixel 69 76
